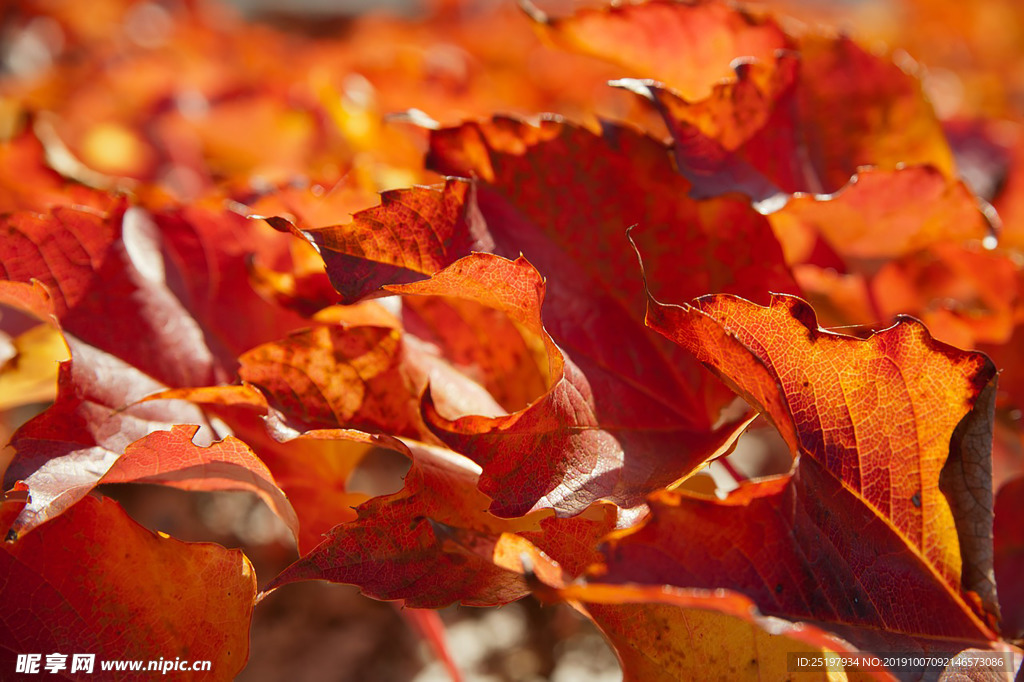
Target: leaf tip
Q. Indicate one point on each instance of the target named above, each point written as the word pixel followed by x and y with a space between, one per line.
pixel 771 203
pixel 535 13
pixel 414 116
pixel 279 223
pixel 638 86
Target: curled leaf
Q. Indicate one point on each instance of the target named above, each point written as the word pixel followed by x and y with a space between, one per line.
pixel 419 533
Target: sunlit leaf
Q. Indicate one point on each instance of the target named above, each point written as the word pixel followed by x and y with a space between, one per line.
pixel 410 532
pixel 852 409
pixel 69 586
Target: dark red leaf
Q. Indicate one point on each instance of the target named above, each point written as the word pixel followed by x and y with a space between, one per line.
pixel 143 305
pixel 75 584
pixel 411 532
pixel 655 402
pixel 1009 557
pixel 64 452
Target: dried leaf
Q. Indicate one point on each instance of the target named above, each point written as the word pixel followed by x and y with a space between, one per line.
pixel 646 393
pixel 886 214
pixel 172 458
pixel 1009 557
pixel 646 38
pixel 852 409
pixel 69 587
pixel 411 530
pixel 127 269
pixel 412 233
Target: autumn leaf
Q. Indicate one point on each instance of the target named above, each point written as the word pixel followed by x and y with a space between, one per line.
pixel 69 584
pixel 303 285
pixel 125 268
pixel 172 458
pixel 646 393
pixel 134 443
pixel 209 251
pixel 905 241
pixel 721 144
pixel 966 295
pixel 314 470
pixel 1011 381
pixel 80 256
pixel 1009 555
pixel 669 634
pixel 190 222
pixel 367 377
pixel 178 109
pixel 661 632
pixel 886 214
pixel 27 183
pixel 214 140
pixel 482 343
pixel 64 452
pixel 645 39
pixel 982 84
pixel 311 468
pixel 166 110
pixel 802 117
pixel 30 375
pixel 628 180
pixel 316 400
pixel 332 376
pixel 412 233
pixel 396 528
pixel 800 113
pixel 409 531
pixel 370 378
pixel 1009 179
pixel 862 109
pixel 453 66
pixel 561 421
pixel 852 409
